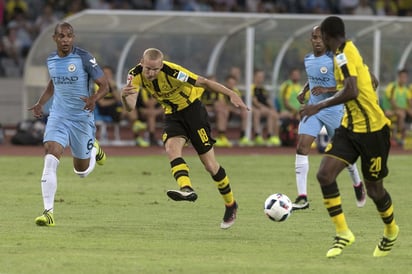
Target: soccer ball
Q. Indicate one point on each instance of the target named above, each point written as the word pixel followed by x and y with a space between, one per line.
pixel 278 207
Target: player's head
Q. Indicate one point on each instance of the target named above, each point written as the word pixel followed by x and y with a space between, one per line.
pixel 108 71
pixel 403 76
pixel 63 37
pixel 152 63
pixel 294 75
pixel 332 28
pixel 317 43
pixel 258 76
pixel 231 81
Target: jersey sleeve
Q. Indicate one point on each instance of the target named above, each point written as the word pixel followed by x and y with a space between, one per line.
pixel 180 73
pixel 91 66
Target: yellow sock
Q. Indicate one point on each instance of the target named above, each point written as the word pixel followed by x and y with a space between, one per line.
pixel 334 207
pixel 385 209
pixel 180 171
pixel 390 227
pixel 222 183
pixel 333 203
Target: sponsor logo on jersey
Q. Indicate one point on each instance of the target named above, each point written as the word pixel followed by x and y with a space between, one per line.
pixel 64 80
pixel 341 59
pixel 181 76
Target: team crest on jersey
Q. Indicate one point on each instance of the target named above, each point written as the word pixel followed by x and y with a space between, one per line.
pixel 71 68
pixel 323 70
pixel 181 76
pixel 341 59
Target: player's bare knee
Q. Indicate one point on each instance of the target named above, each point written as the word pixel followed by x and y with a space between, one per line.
pixel 302 149
pixel 323 177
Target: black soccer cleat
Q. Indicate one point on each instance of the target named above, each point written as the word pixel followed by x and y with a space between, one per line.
pixel 184 194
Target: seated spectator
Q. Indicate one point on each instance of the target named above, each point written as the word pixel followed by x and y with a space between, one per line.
pixel 386 7
pixel 317 7
pixel 404 8
pixel 111 106
pixel 150 110
pixel 15 5
pixel 45 19
pixel 398 104
pixel 224 111
pixel 208 99
pixel 287 98
pixel 364 8
pixel 13 45
pixel 24 30
pixel 3 55
pixel 263 107
pixel 348 6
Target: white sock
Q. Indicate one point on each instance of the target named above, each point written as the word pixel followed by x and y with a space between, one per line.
pixel 301 169
pixel 354 174
pixel 49 181
pixel 92 164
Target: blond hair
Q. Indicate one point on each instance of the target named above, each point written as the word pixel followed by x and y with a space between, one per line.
pixel 153 54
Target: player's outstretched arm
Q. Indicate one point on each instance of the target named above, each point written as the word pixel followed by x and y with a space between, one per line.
pixel 37 108
pixel 217 87
pixel 129 97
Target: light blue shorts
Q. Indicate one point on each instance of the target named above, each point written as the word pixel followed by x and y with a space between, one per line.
pixel 313 125
pixel 79 135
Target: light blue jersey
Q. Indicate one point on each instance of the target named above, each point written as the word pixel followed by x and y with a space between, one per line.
pixel 68 123
pixel 319 71
pixel 71 77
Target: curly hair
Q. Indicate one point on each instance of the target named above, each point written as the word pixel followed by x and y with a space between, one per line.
pixel 333 26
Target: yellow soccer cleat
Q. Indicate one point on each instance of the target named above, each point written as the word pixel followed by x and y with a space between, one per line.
pixel 100 155
pixel 46 219
pixel 245 142
pixel 223 141
pixel 142 142
pixel 138 126
pixel 273 141
pixel 259 141
pixel 386 244
pixel 340 242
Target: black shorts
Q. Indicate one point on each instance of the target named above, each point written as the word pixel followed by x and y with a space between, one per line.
pixel 191 123
pixel 373 149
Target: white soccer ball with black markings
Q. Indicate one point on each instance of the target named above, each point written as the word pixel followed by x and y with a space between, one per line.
pixel 278 207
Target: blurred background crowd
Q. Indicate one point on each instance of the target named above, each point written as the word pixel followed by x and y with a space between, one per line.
pixel 23 20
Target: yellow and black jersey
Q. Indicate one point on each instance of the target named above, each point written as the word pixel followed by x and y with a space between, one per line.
pixel 209 97
pixel 362 114
pixel 174 87
pixel 221 96
pixel 143 98
pixel 261 94
pixel 109 95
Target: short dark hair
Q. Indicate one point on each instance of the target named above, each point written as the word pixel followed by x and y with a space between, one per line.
pixel 403 70
pixel 62 25
pixel 333 26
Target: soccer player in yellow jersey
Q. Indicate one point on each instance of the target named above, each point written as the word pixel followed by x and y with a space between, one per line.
pixel 364 133
pixel 178 90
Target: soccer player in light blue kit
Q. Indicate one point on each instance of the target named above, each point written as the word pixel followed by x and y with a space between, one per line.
pixel 321 83
pixel 71 118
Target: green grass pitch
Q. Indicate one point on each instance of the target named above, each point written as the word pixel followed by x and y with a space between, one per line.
pixel 119 220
